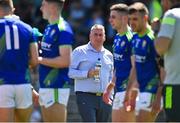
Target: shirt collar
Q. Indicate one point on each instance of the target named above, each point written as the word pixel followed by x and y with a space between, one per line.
pixel 57 21
pixel 91 48
pixel 11 16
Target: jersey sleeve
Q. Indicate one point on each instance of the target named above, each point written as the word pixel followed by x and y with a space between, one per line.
pixel 65 38
pixel 168 25
pixel 35 35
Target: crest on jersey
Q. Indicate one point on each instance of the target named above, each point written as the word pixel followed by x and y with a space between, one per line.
pixel 47 31
pixel 52 32
pixel 144 43
pixel 123 43
pixel 116 42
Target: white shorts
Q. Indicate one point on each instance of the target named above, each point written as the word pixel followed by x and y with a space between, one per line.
pixel 47 97
pixel 144 101
pixel 15 96
pixel 118 100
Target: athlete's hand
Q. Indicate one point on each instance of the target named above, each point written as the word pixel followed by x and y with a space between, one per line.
pixel 35 97
pixel 106 98
pixel 156 104
pixel 130 100
pixel 107 92
pixel 126 97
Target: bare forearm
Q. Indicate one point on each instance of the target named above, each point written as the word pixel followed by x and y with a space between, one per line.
pixel 132 78
pixel 57 62
pixel 110 87
pixel 33 60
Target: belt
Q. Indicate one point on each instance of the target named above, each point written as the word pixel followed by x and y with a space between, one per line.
pixel 91 93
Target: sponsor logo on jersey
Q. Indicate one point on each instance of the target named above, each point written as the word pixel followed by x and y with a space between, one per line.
pixel 45 46
pixel 118 56
pixel 140 59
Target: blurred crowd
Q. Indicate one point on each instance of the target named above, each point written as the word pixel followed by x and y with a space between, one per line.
pixel 81 14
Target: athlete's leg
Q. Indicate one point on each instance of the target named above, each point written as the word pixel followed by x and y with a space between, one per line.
pixel 53 104
pixel 6 114
pixel 145 106
pixel 146 116
pixel 23 101
pixel 119 113
pixel 55 113
pixel 23 115
pixel 7 103
pixel 122 115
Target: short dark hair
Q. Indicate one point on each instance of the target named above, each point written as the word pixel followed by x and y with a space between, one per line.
pixel 138 7
pixel 60 2
pixel 120 8
pixel 6 4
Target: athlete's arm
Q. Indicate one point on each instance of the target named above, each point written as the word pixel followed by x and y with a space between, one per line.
pixel 132 88
pixel 61 61
pixel 132 76
pixel 107 92
pixel 33 61
pixel 156 104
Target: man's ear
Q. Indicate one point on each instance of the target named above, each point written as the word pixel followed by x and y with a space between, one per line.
pixel 146 17
pixel 125 18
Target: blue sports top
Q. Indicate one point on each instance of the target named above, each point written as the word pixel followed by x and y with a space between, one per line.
pixel 56 35
pixel 15 39
pixel 122 59
pixel 145 61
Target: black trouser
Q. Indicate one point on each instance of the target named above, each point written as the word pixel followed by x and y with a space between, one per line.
pixel 92 108
pixel 171 96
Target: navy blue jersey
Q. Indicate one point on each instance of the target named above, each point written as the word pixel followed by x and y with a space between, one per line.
pixel 145 59
pixel 122 59
pixel 15 39
pixel 55 35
